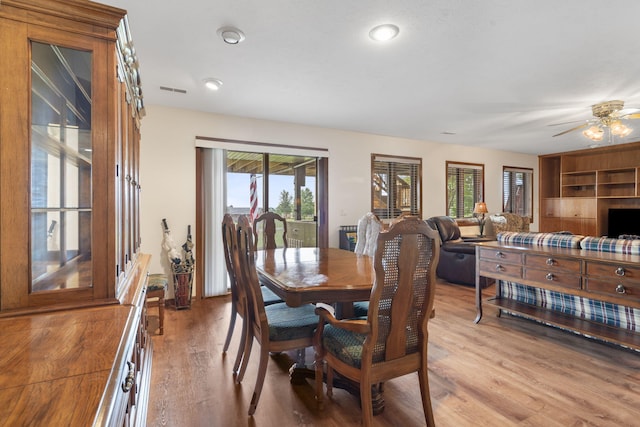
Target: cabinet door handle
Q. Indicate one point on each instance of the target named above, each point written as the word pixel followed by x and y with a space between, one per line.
pixel 620 271
pixel 130 380
pixel 549 276
pixel 499 255
pixel 620 289
pixel 550 261
pixel 499 267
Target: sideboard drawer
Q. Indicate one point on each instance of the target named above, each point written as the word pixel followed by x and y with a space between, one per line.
pixel 495 269
pixel 549 262
pixel 553 277
pixel 617 288
pixel 613 271
pixel 500 256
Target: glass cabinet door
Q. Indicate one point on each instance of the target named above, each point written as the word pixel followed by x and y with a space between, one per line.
pixel 61 168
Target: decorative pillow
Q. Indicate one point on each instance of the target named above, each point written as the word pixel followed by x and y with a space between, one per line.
pixel 607 244
pixel 540 239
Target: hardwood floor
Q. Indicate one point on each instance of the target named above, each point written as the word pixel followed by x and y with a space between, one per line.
pixel 503 371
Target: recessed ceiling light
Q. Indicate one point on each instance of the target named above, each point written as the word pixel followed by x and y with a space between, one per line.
pixel 384 32
pixel 213 84
pixel 230 35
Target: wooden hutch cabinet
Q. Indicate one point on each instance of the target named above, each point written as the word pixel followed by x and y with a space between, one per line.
pixel 578 188
pixel 70 110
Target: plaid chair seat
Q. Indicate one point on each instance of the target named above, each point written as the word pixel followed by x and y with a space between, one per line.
pixel 290 323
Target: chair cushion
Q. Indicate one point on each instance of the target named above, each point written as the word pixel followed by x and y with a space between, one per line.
pixel 268 296
pixel 345 345
pixel 446 226
pixel 157 282
pixel 290 323
pixel 361 308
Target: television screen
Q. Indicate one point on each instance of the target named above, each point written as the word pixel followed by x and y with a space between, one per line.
pixel 623 221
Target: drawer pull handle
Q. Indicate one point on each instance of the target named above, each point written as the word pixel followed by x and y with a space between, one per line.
pixel 130 379
pixel 499 267
pixel 620 289
pixel 620 271
pixel 549 276
pixel 499 255
pixel 550 261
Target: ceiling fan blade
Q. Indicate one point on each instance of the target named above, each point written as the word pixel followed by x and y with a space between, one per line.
pixel 631 116
pixel 628 111
pixel 582 126
pixel 567 123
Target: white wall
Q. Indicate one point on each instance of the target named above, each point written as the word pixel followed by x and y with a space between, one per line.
pixel 167 169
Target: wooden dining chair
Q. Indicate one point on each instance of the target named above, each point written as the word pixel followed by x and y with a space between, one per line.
pixel 266 225
pixel 392 340
pixel 238 296
pixel 276 327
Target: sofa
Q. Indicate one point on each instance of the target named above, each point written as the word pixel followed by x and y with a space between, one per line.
pixel 607 313
pixel 457 262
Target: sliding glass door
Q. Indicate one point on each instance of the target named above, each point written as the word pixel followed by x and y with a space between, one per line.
pixel 285 184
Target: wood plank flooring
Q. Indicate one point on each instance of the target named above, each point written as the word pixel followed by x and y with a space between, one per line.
pixel 503 371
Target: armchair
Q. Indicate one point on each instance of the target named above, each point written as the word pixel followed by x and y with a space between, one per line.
pixel 506 221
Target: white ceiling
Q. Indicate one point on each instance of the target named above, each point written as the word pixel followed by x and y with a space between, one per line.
pixel 496 73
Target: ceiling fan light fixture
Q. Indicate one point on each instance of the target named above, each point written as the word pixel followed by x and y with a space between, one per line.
pixel 213 84
pixel 594 133
pixel 619 129
pixel 384 32
pixel 230 35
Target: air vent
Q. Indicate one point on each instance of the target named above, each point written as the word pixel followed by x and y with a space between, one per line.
pixel 172 89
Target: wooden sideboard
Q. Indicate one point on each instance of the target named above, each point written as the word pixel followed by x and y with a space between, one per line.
pixel 608 277
pixel 81 367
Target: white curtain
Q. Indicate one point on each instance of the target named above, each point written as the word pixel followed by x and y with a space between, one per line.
pixel 214 185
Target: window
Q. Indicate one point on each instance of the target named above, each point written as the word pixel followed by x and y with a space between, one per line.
pixel 465 187
pixel 395 186
pixel 517 191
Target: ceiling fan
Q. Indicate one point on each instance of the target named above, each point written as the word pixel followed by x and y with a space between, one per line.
pixel 607 115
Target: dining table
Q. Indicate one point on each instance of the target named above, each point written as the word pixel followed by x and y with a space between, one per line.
pixel 316 275
pixel 311 275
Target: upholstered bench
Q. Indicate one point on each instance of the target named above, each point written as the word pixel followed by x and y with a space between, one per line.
pixel 156 287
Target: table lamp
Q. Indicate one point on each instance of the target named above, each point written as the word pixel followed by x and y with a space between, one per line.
pixel 479 210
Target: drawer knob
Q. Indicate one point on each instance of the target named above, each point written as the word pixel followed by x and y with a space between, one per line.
pixel 549 276
pixel 620 271
pixel 499 267
pixel 499 255
pixel 550 261
pixel 620 289
pixel 130 380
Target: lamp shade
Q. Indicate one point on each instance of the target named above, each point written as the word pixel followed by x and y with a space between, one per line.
pixel 480 208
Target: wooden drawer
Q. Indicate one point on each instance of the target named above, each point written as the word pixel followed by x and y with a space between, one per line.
pixel 501 256
pixel 613 271
pixel 497 269
pixel 551 263
pixel 617 288
pixel 553 277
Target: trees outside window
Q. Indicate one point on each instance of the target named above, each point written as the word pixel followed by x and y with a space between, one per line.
pixel 465 187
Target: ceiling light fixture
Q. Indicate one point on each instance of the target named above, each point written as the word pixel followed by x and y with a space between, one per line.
pixel 213 84
pixel 384 32
pixel 231 35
